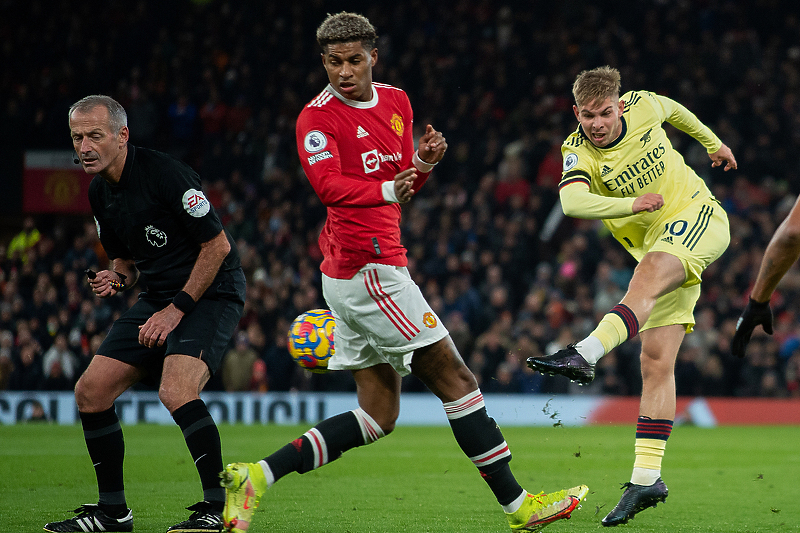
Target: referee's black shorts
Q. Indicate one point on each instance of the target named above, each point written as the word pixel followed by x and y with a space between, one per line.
pixel 204 333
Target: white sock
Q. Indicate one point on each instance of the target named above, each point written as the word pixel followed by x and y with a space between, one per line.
pixel 645 476
pixel 267 473
pixel 514 506
pixel 591 349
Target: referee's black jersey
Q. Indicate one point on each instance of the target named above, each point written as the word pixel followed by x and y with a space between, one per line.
pixel 158 216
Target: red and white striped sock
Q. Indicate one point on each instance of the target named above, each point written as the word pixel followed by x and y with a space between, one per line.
pixel 482 441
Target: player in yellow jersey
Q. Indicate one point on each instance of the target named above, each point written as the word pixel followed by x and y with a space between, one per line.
pixel 619 166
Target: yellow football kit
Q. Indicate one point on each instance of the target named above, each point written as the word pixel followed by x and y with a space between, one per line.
pixel 603 182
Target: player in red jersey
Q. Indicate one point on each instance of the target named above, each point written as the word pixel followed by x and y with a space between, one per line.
pixel 355 143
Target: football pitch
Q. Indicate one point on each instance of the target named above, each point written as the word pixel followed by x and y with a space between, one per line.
pixel 727 479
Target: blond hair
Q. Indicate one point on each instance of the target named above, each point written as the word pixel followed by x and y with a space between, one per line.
pixel 346 27
pixel 596 85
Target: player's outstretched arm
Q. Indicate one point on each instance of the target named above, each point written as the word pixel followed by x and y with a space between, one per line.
pixel 723 155
pixel 781 253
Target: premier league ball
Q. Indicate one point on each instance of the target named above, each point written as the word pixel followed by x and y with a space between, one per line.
pixel 311 340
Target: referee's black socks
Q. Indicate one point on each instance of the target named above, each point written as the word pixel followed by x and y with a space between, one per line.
pixel 202 439
pixel 106 447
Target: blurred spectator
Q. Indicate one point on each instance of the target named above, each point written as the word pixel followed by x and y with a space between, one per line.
pixel 81 256
pixel 27 373
pixel 712 375
pixel 182 114
pixel 459 332
pixel 61 358
pixel 237 367
pixel 504 381
pixel 282 370
pixel 688 380
pixel 492 346
pixel 259 380
pixel 793 375
pixel 6 357
pixel 55 379
pixel 23 241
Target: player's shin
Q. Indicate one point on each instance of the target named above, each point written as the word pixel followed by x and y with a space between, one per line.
pixel 106 446
pixel 323 443
pixel 482 441
pixel 651 441
pixel 202 438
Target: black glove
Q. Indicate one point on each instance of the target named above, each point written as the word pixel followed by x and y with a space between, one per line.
pixel 754 314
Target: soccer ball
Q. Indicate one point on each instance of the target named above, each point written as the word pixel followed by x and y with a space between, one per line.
pixel 311 340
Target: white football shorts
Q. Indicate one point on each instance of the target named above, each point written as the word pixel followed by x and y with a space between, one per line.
pixel 381 317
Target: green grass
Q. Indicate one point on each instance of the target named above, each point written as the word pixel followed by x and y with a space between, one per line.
pixel 729 479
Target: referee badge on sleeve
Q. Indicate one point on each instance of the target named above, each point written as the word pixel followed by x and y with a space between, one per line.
pixel 195 203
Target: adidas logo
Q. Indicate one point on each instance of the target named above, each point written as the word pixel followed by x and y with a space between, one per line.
pixel 667 239
pixel 606 171
pixel 361 132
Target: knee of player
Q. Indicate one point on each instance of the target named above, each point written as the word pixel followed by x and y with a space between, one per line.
pixel 88 398
pixel 82 395
pixel 171 396
pixel 656 366
pixel 468 380
pixel 463 383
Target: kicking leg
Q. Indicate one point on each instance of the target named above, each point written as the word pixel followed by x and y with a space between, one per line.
pixel 657 274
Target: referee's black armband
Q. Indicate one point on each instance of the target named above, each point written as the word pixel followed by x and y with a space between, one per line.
pixel 184 302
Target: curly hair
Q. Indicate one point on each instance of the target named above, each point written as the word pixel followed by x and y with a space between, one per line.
pixel 346 27
pixel 596 85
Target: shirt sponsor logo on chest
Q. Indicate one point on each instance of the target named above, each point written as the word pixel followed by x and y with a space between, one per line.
pixel 372 159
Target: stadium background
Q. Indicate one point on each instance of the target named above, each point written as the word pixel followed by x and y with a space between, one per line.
pixel 219 84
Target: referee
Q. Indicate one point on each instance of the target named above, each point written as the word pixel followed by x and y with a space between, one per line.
pixel 153 219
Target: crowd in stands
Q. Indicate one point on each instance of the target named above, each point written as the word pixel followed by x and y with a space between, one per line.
pixel 219 84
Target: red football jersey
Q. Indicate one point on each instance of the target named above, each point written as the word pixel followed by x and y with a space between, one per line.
pixel 348 149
